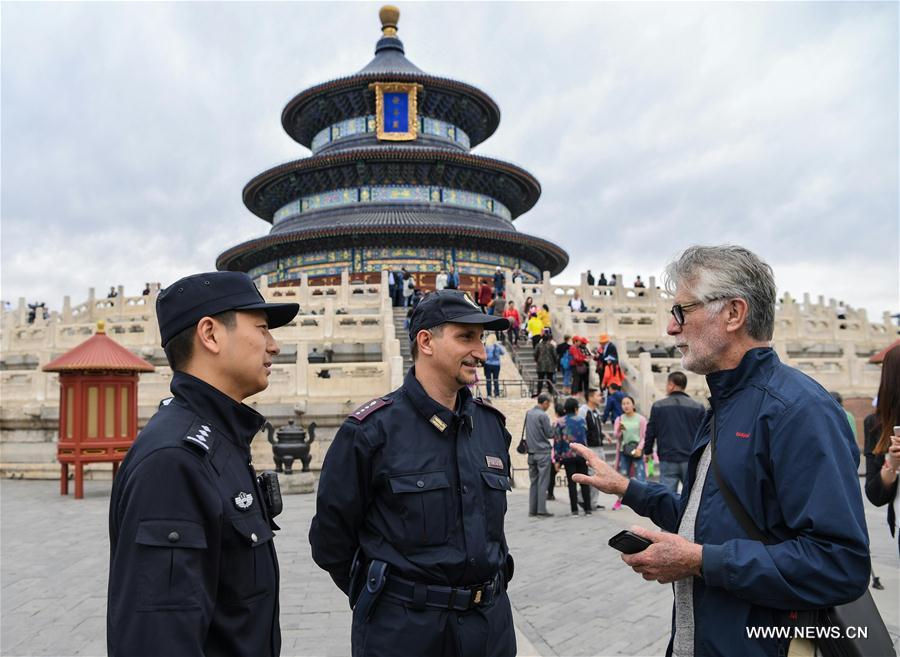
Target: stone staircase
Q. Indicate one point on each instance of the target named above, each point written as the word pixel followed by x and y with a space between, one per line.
pixel 403 337
pixel 523 357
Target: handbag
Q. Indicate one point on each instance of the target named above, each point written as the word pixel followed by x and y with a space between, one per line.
pixel 522 447
pixel 862 612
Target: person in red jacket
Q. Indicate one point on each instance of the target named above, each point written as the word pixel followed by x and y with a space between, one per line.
pixel 485 294
pixel 511 313
pixel 579 357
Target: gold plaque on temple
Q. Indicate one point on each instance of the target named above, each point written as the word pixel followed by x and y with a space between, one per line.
pixel 396 114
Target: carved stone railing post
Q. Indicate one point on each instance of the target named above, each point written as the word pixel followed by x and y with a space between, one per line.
pixel 328 318
pixel 344 291
pixel 301 373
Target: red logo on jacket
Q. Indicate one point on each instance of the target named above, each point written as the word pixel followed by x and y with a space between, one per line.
pixel 740 434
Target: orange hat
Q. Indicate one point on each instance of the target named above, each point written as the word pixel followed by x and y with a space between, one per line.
pixel 604 338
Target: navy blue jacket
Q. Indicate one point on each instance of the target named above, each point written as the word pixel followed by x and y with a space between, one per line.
pixel 613 408
pixel 673 423
pixel 422 488
pixel 785 448
pixel 428 501
pixel 192 568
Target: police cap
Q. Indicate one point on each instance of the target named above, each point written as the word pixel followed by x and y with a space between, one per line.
pixel 191 298
pixel 455 306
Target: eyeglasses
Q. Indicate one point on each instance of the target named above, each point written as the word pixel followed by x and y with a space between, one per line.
pixel 679 308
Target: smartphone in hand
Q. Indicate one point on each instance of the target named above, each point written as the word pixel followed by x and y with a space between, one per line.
pixel 629 542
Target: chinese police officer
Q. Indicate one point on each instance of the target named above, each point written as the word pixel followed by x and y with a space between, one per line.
pixel 411 500
pixel 193 569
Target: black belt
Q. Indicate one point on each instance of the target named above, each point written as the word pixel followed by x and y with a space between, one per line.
pixel 422 595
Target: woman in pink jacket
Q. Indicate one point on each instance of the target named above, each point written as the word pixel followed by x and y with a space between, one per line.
pixel 629 430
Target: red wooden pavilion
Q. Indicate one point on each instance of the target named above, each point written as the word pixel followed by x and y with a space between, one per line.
pixel 97 405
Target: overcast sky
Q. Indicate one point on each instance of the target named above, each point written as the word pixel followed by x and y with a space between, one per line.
pixel 129 130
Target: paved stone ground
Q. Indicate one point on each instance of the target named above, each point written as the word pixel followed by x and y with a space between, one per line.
pixel 571 594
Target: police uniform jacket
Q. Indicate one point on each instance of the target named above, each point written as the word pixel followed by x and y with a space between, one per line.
pixel 193 569
pixel 418 486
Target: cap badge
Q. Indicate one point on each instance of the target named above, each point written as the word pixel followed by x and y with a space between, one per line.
pixel 438 423
pixel 243 501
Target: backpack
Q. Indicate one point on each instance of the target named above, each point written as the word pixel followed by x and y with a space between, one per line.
pixel 566 361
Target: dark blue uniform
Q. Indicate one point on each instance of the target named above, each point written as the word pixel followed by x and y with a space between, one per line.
pixel 193 569
pixel 423 489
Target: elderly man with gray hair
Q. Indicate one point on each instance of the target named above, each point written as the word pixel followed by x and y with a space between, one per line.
pixel 770 519
pixel 539 436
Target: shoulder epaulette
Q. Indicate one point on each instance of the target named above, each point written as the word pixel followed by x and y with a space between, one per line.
pixel 199 435
pixel 370 407
pixel 486 404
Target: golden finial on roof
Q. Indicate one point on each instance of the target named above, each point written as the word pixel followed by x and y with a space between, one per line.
pixel 101 326
pixel 389 15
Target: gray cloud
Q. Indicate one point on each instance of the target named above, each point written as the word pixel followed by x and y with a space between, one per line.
pixel 130 129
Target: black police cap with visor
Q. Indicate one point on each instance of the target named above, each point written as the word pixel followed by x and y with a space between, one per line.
pixel 186 301
pixel 451 306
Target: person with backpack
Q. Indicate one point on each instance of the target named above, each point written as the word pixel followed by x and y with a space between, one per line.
pixel 613 408
pixel 579 357
pixel 493 351
pixel 545 357
pixel 409 286
pixel 573 429
pixel 565 364
pixel 511 313
pixel 535 328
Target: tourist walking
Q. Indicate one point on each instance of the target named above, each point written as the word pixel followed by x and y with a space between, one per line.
pixel 883 442
pixel 535 328
pixel 579 359
pixel 673 424
pixel 605 350
pixel 409 287
pixel 545 358
pixel 629 431
pixel 493 350
pixel 565 364
pixel 573 429
pixel 590 411
pixel 613 408
pixel 527 306
pixel 511 313
pixel 544 316
pixel 499 283
pixel 485 294
pixel 539 437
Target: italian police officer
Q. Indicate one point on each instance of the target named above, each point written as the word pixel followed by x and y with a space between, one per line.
pixel 412 497
pixel 193 569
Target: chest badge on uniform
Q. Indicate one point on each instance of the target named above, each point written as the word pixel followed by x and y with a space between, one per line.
pixel 438 423
pixel 494 462
pixel 243 501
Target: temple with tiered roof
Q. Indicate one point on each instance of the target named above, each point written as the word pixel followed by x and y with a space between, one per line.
pixel 392 183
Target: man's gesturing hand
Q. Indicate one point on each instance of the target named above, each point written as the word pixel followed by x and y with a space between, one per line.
pixel 604 478
pixel 670 558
